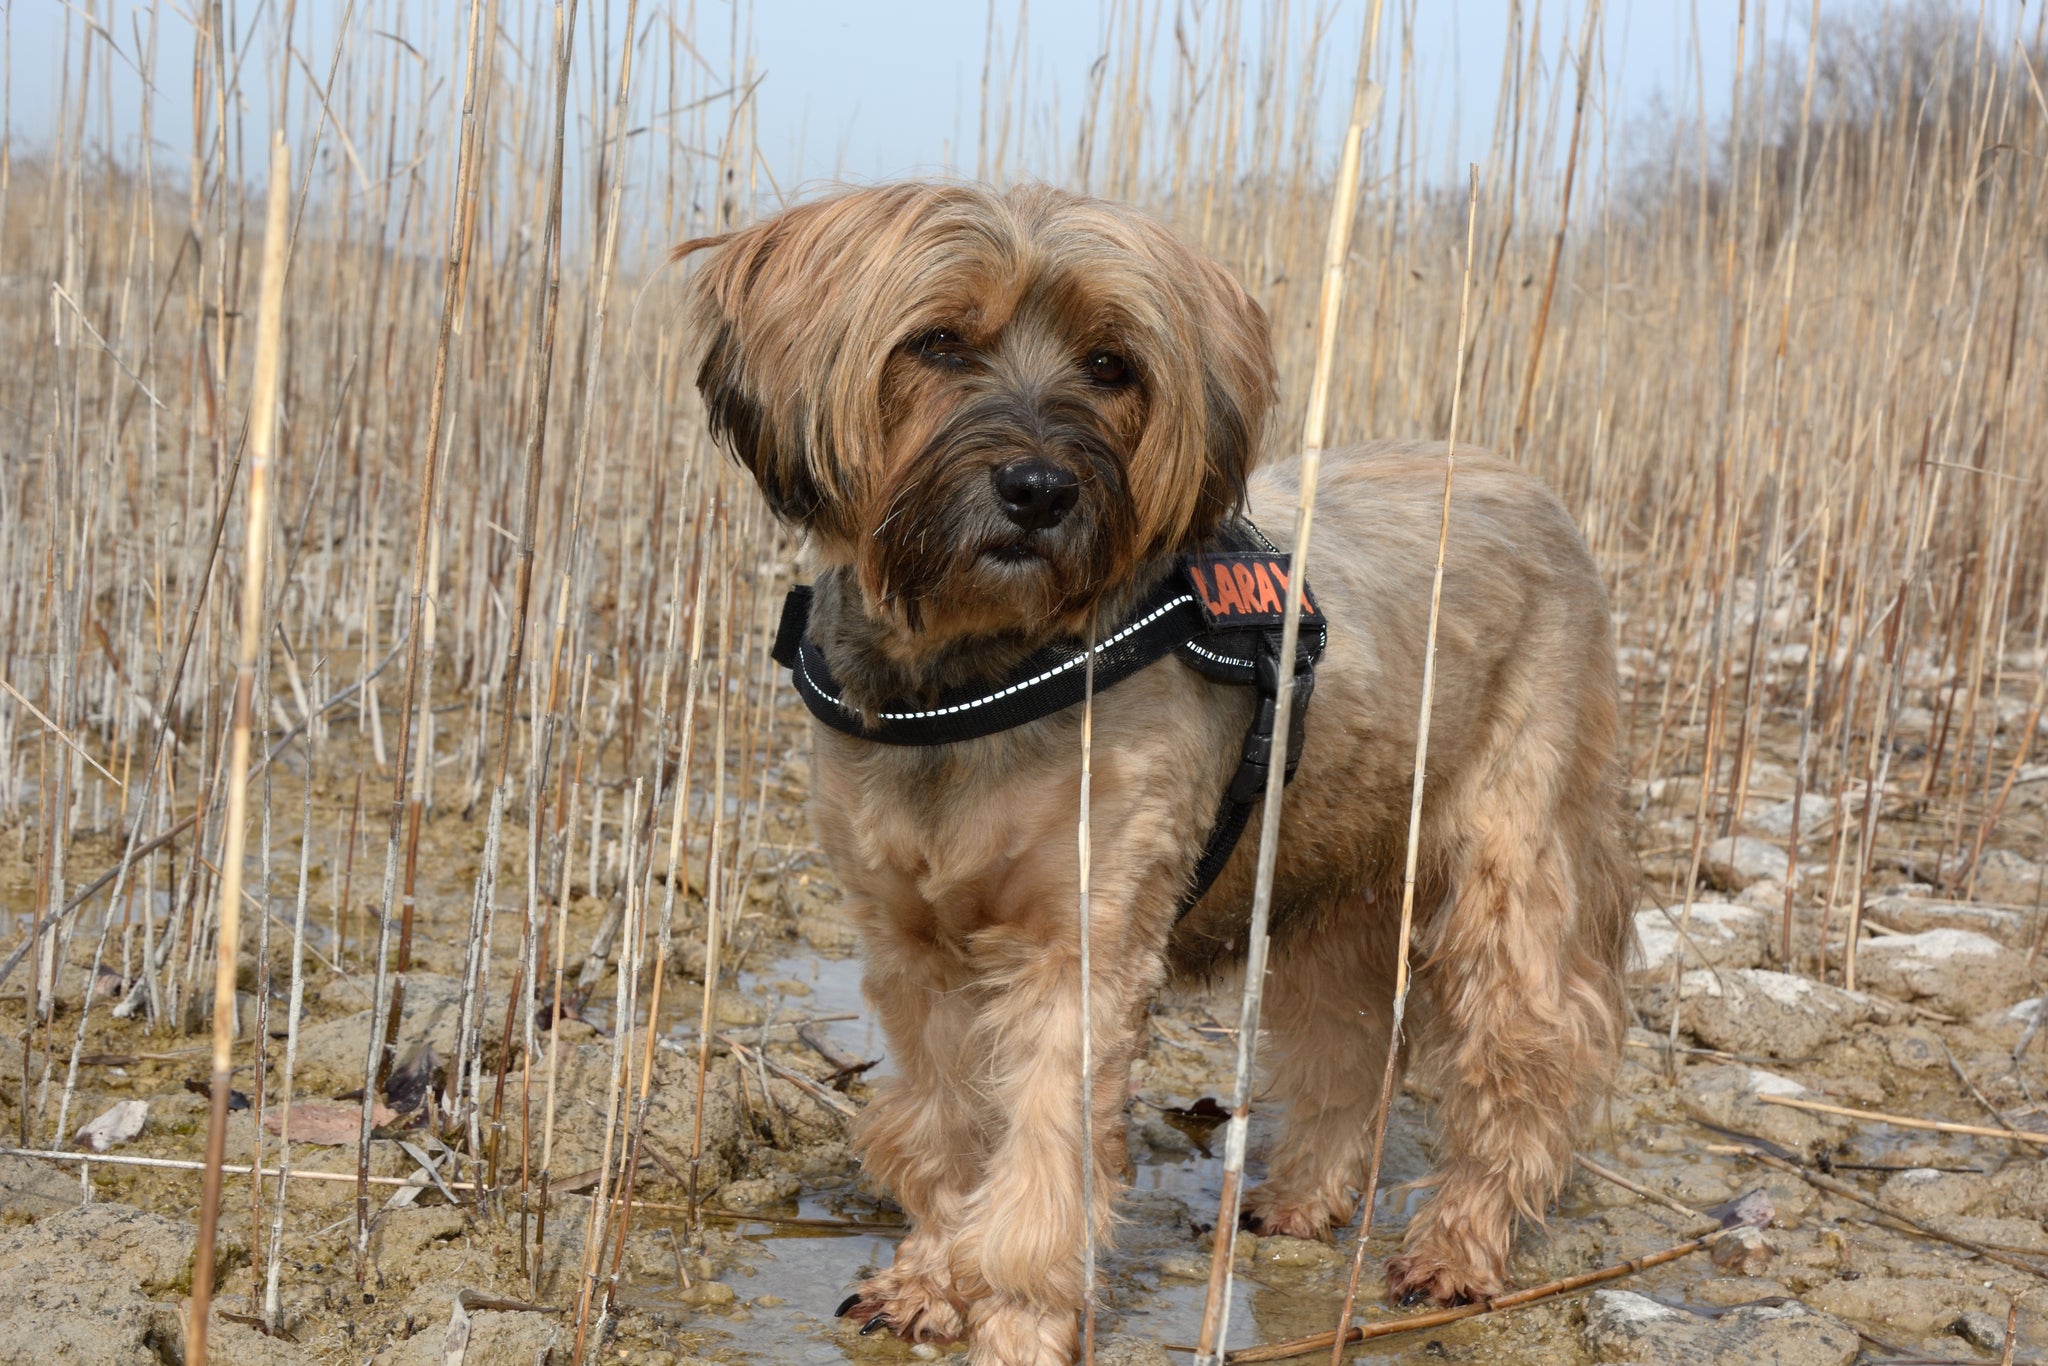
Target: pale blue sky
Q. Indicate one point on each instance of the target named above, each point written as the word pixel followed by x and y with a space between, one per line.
pixel 874 89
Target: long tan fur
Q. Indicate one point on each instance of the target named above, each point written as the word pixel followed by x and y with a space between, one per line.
pixel 872 358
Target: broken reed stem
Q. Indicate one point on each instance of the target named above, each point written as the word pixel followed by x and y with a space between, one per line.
pixel 135 854
pixel 1821 1181
pixel 1656 1197
pixel 179 1164
pixel 1388 1074
pixel 262 436
pixel 1939 1126
pixel 1215 1330
pixel 1294 1347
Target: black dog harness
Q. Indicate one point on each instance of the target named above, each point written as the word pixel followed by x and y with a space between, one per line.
pixel 1221 611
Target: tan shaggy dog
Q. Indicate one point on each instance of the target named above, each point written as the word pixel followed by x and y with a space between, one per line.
pixel 1000 417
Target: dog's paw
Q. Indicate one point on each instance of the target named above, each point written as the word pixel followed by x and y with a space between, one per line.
pixel 1272 1214
pixel 914 1308
pixel 1421 1277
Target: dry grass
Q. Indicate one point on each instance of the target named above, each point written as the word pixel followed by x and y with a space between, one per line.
pixel 1787 376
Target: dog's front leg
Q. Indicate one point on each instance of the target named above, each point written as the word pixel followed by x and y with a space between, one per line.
pixel 922 1136
pixel 1018 1257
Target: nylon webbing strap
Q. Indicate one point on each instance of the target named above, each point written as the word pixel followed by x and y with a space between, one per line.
pixel 1051 680
pixel 1220 610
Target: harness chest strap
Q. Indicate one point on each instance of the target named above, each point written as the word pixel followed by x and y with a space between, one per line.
pixel 1220 611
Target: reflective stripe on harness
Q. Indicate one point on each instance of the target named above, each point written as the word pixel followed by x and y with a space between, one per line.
pixel 1221 611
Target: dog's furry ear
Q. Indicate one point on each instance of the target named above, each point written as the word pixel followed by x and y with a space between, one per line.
pixel 769 307
pixel 734 299
pixel 1210 358
pixel 1236 345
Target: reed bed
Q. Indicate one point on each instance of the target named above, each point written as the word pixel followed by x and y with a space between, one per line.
pixel 1785 369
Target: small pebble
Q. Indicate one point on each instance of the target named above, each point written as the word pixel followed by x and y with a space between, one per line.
pixel 1979 1329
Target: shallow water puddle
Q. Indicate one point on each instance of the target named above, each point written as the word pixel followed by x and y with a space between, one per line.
pixel 1152 1282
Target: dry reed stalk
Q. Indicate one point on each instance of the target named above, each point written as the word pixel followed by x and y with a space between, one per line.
pixel 597 1227
pixel 1389 1073
pixel 1437 1318
pixel 1215 1329
pixel 1940 1126
pixel 678 857
pixel 540 385
pixel 714 882
pixel 116 875
pixel 1878 238
pixel 575 788
pixel 226 1168
pixel 1823 1182
pixel 254 635
pixel 1799 772
pixel 273 1307
pixel 416 692
pixel 1589 24
pixel 1084 853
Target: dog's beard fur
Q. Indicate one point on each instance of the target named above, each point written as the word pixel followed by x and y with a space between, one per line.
pixel 944 548
pixel 822 375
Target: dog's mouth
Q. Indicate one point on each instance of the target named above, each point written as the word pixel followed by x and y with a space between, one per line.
pixel 1013 554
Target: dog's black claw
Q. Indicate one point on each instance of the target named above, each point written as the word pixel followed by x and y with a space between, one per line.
pixel 1414 1297
pixel 878 1321
pixel 846 1304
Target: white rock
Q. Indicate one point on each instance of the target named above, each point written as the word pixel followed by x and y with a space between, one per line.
pixel 1767 895
pixel 1957 972
pixel 1916 913
pixel 2004 876
pixel 1768 1014
pixel 1623 1326
pixel 1725 935
pixel 1734 861
pixel 113 1128
pixel 1815 812
pixel 1726 1094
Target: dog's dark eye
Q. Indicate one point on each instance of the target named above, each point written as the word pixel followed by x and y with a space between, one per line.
pixel 1109 370
pixel 940 345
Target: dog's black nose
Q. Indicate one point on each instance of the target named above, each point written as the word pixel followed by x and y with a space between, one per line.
pixel 1036 492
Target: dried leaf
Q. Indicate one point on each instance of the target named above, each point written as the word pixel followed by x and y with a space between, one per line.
pixel 113 1128
pixel 324 1125
pixel 411 1080
pixel 236 1099
pixel 1754 1210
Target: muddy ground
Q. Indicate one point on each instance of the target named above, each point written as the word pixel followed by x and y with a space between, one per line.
pixel 98 1269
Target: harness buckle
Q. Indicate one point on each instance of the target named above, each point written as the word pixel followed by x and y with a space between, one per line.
pixel 1248 784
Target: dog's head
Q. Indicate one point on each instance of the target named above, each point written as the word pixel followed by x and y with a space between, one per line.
pixel 992 407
